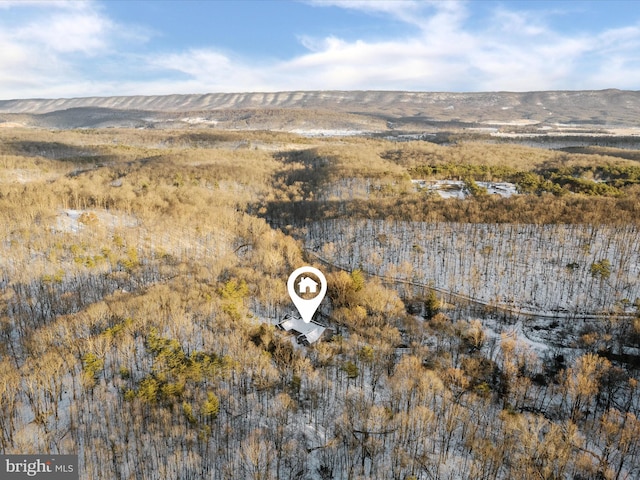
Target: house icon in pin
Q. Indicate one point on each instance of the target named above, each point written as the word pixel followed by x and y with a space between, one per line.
pixel 307 285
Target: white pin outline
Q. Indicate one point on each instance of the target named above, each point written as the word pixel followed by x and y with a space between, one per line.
pixel 306 307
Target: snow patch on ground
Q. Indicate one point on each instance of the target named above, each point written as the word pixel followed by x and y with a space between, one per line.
pixel 495 329
pixel 70 220
pixel 326 132
pixel 457 188
pixel 23 175
pixel 571 131
pixel 199 121
pixel 512 123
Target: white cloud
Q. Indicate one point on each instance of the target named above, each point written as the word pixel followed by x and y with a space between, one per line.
pixel 210 70
pixel 64 4
pixel 384 64
pixel 408 11
pixel 518 23
pixel 45 54
pixel 85 32
pixel 443 48
pixel 512 51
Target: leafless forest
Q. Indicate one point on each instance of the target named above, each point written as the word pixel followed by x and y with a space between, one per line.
pixel 142 273
pixel 554 270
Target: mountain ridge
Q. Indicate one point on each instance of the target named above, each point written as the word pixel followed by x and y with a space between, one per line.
pixel 586 107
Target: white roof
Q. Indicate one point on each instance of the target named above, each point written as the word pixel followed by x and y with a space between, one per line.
pixel 298 325
pixel 310 331
pixel 315 334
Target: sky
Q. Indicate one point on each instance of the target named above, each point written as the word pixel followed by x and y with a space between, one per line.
pixel 62 49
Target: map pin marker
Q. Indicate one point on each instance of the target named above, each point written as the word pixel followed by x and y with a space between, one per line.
pixel 306 291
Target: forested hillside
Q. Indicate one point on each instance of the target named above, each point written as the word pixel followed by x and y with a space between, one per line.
pixel 142 273
pixel 551 270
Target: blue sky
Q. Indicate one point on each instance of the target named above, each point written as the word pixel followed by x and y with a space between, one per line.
pixel 57 48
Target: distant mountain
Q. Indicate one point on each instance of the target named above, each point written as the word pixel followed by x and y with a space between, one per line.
pixel 350 110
